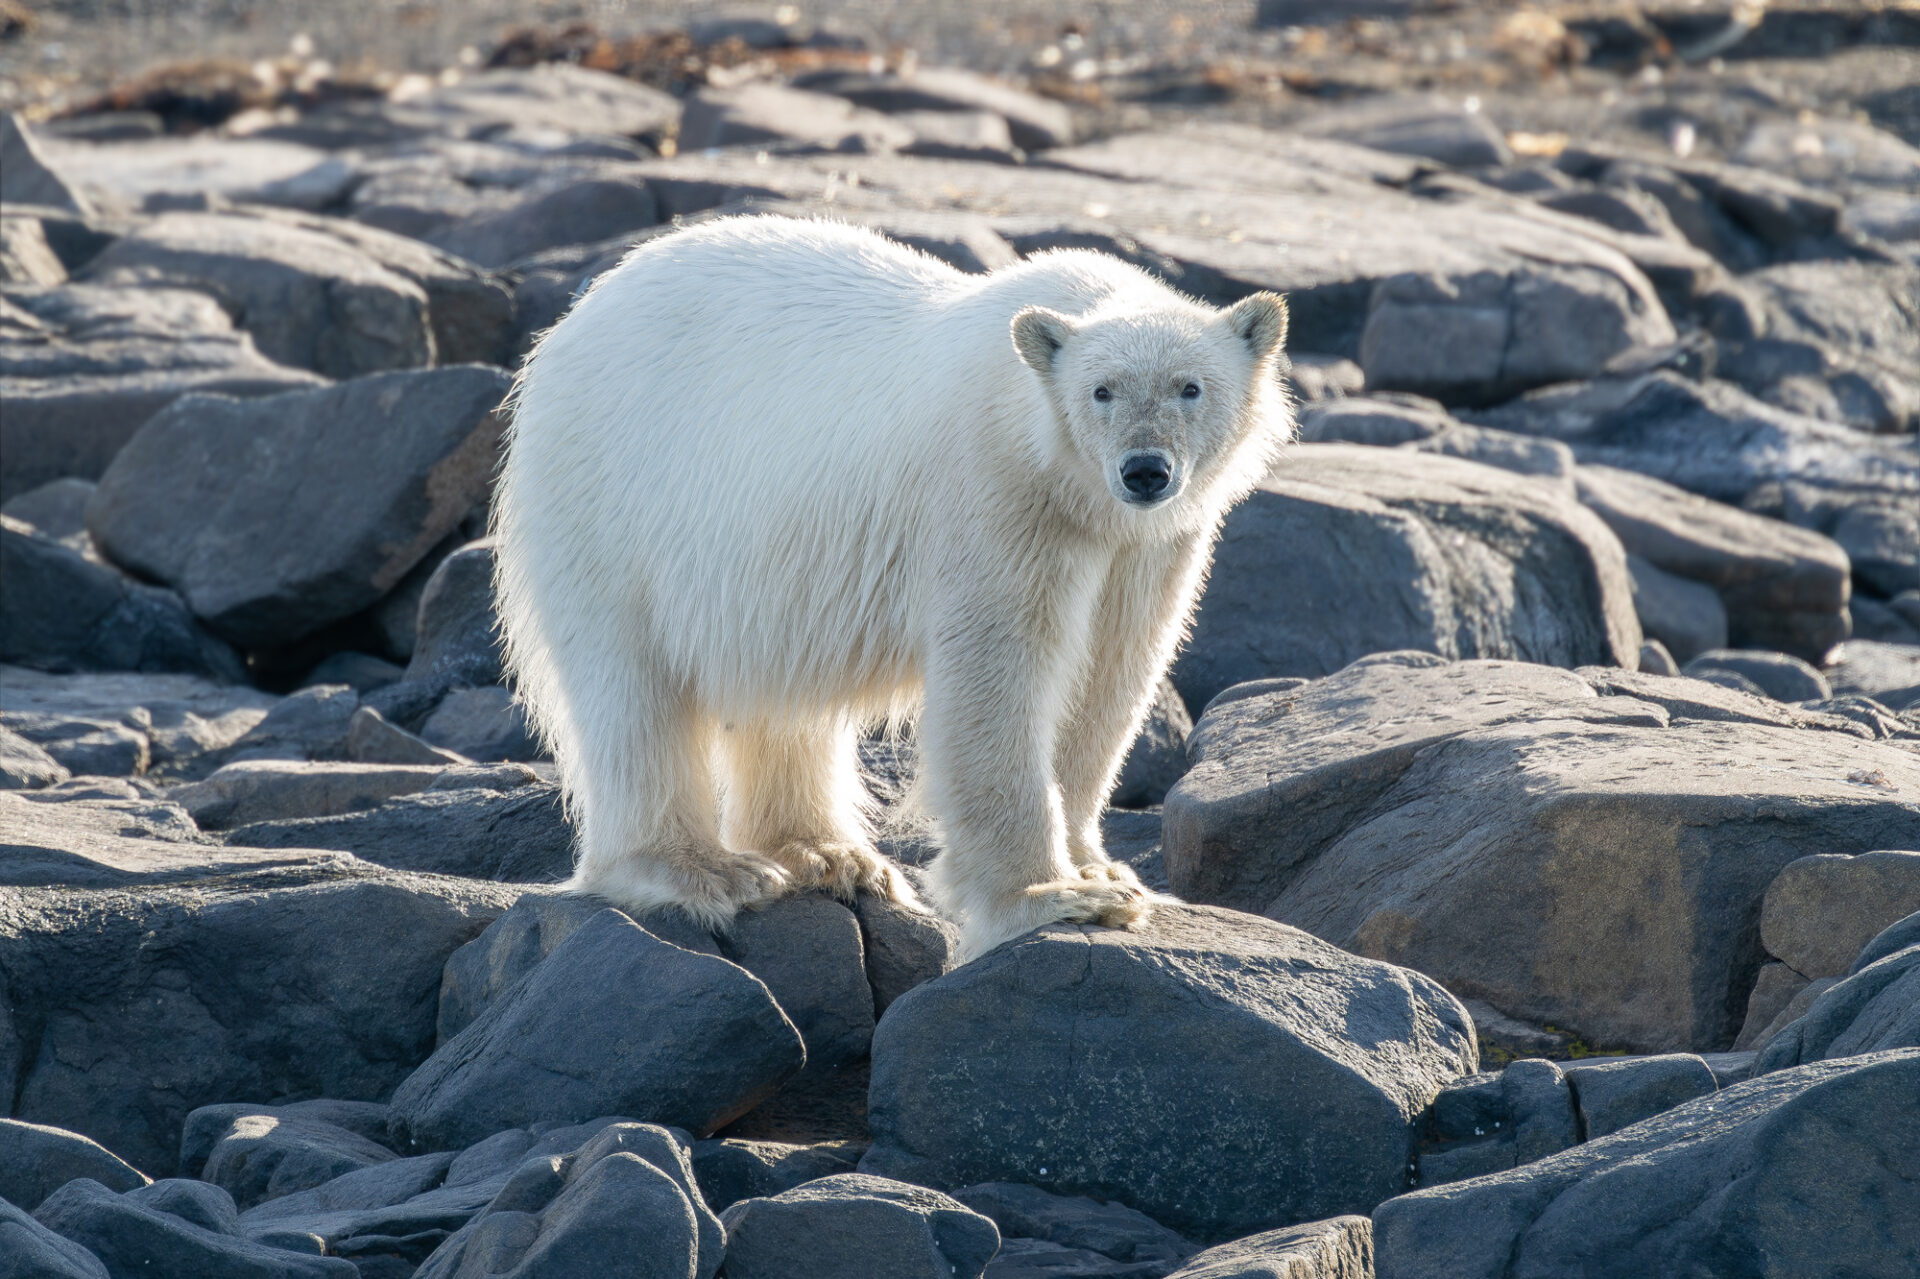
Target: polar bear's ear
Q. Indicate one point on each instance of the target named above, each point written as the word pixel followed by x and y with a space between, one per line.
pixel 1260 320
pixel 1038 335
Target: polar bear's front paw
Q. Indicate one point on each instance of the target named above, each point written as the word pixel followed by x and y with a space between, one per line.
pixel 1113 901
pixel 710 885
pixel 844 868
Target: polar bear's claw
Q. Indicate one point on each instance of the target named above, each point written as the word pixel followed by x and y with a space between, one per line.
pixel 844 869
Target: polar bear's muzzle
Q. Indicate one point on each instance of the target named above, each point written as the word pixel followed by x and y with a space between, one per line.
pixel 1146 478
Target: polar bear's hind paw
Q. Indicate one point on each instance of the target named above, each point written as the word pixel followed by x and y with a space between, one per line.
pixel 843 869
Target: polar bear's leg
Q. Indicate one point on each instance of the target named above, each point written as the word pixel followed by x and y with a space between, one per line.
pixel 794 795
pixel 640 769
pixel 1144 606
pixel 986 744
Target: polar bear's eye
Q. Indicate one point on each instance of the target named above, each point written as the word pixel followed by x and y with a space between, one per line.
pixel 1191 391
pixel 1102 394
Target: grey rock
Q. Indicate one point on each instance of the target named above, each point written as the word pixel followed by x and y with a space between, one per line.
pixel 1518 453
pixel 809 952
pixel 1782 587
pixel 854 1226
pixel 36 1160
pixel 515 835
pixel 1666 1195
pixel 187 721
pixel 1037 1259
pixel 309 724
pixel 483 724
pixel 552 95
pixel 1871 1010
pixel 1504 1038
pixel 1434 553
pixel 1656 658
pixel 83 367
pixel 1432 130
pixel 264 1156
pixel 1109 1230
pixel 207 1126
pixel 456 635
pixel 314 976
pixel 1780 676
pixel 570 210
pixel 904 947
pixel 25 766
pixel 308 299
pixel 1889 673
pixel 134 1239
pixel 1336 1248
pixel 30 179
pixel 1383 760
pixel 1536 1097
pixel 1895 937
pixel 759 113
pixel 1033 122
pixel 730 1169
pixel 1613 1094
pixel 201 172
pixel 372 740
pixel 681 1037
pixel 1378 420
pixel 628 1192
pixel 1158 755
pixel 959 135
pixel 1317 378
pixel 1685 616
pixel 25 255
pixel 1774 990
pixel 362 672
pixel 57 510
pixel 28 1250
pixel 1005 1070
pixel 86 745
pixel 243 506
pixel 208 1206
pixel 268 790
pixel 1820 911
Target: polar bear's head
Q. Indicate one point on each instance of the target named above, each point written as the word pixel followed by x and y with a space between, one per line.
pixel 1164 401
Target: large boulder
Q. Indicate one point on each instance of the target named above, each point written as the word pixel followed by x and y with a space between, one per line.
pixel 1120 1064
pixel 275 517
pixel 1503 827
pixel 854 1226
pixel 613 1021
pixel 1345 550
pixel 83 367
pixel 317 975
pixel 1783 587
pixel 1803 1172
pixel 69 611
pixel 1821 910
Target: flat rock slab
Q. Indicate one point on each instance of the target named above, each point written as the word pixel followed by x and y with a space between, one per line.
pixel 1495 827
pixel 239 505
pixel 1345 550
pixel 1812 1169
pixel 1120 1064
pixel 613 1020
pixel 83 366
pixel 149 1001
pixel 274 789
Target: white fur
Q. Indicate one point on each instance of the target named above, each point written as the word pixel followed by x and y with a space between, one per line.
pixel 772 481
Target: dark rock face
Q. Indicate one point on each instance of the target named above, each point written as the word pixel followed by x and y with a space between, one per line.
pixel 68 611
pixel 730 1169
pixel 854 1225
pixel 1806 1171
pixel 36 1160
pixel 684 1038
pixel 1049 1062
pixel 1875 1008
pixel 1337 1248
pixel 237 504
pixel 134 1238
pixel 456 638
pixel 32 1249
pixel 1106 1230
pixel 1532 791
pixel 269 981
pixel 629 1192
pixel 83 367
pixel 1421 552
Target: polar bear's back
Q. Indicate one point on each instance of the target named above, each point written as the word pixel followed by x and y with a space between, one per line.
pixel 790 404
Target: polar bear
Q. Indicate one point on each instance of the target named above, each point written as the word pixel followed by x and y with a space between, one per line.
pixel 772 481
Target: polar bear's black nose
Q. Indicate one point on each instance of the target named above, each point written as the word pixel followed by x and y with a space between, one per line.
pixel 1146 475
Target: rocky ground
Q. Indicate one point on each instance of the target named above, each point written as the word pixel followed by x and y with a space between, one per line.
pixel 1544 769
